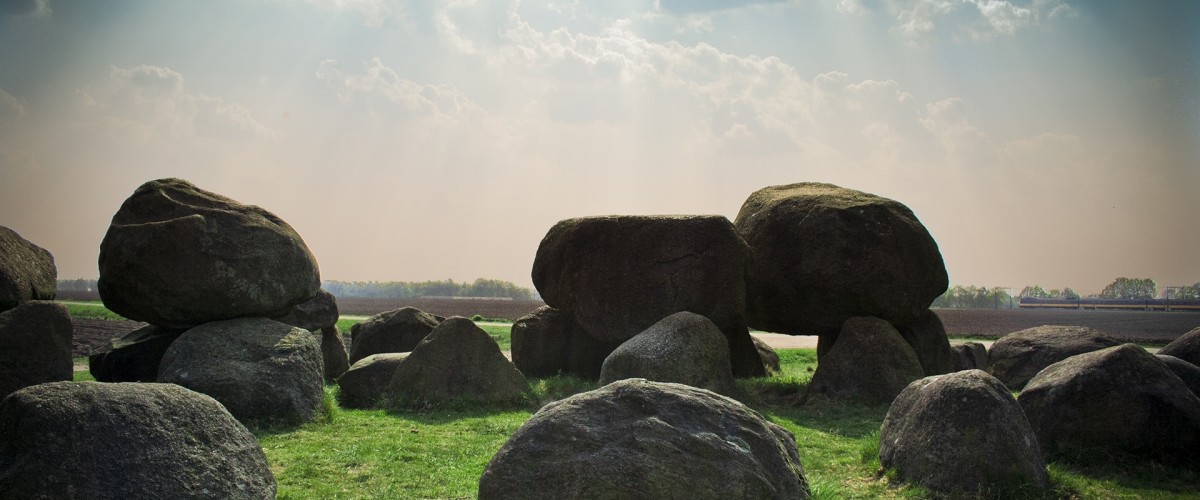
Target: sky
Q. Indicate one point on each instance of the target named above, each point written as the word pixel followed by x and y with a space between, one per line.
pixel 1047 142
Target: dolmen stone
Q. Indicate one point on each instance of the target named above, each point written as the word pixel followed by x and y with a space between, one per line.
pixel 927 337
pixel 179 256
pixel 366 382
pixel 1185 347
pixel 640 439
pixel 970 356
pixel 398 330
pixel 35 345
pixel 314 314
pixel 684 348
pixel 1017 357
pixel 1116 401
pixel 457 362
pixel 769 357
pixel 616 276
pixel 133 357
pixel 962 435
pixel 263 371
pixel 1187 372
pixel 333 353
pixel 27 271
pixel 821 254
pixel 547 342
pixel 127 440
pixel 869 364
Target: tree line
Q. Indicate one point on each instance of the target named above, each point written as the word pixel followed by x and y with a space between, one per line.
pixel 410 290
pixel 973 297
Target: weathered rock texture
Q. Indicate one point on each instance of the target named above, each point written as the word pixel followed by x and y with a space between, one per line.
pixel 547 341
pixel 1186 347
pixel 684 348
pixel 364 384
pixel 1116 401
pixel 457 362
pixel 333 353
pixel 615 276
pixel 27 271
pixel 970 356
pixel 769 357
pixel 399 330
pixel 821 254
pixel 35 345
pixel 870 364
pixel 962 435
pixel 92 440
pixel 641 439
pixel 320 311
pixel 927 337
pixel 1017 357
pixel 1187 372
pixel 134 357
pixel 263 371
pixel 176 255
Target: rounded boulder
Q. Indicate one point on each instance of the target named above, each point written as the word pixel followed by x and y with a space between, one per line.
pixel 683 348
pixel 27 271
pixel 457 362
pixel 1185 347
pixel 398 330
pixel 869 364
pixel 1017 357
pixel 177 255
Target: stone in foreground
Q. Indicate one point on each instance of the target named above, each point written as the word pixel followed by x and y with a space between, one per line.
pixel 35 345
pixel 177 255
pixel 640 439
pixel 962 435
pixel 126 440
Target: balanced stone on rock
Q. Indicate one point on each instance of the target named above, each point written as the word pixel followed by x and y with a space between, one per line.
pixel 457 362
pixel 133 357
pixel 364 384
pixel 35 345
pixel 176 255
pixel 127 440
pixel 398 330
pixel 869 364
pixel 27 271
pixel 962 435
pixel 1116 401
pixel 617 275
pixel 683 348
pixel 1017 357
pixel 1185 347
pixel 821 254
pixel 640 439
pixel 547 342
pixel 263 371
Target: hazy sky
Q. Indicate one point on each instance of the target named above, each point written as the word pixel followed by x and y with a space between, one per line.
pixel 1051 142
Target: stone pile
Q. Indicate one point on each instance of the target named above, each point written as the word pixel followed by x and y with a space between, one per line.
pixel 236 283
pixel 35 333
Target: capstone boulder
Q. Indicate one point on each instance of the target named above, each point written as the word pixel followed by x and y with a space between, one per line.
pixel 176 255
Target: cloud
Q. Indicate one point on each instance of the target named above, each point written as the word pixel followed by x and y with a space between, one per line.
pixel 11 107
pixel 374 13
pixel 380 81
pixel 153 100
pixel 919 21
pixel 35 8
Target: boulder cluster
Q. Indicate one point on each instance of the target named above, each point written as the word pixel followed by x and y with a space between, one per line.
pixel 35 333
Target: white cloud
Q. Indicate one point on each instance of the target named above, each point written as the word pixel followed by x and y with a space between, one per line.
pixel 11 107
pixel 920 20
pixel 153 100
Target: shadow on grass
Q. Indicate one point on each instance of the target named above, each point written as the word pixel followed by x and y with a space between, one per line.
pixel 1070 470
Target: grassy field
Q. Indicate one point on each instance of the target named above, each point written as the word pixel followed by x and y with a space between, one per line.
pixel 441 453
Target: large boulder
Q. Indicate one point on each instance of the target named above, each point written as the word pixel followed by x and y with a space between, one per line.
pixel 263 371
pixel 640 439
pixel 457 362
pixel 35 345
pixel 333 353
pixel 970 356
pixel 1116 401
pixel 27 271
pixel 821 254
pixel 1187 372
pixel 547 342
pixel 176 255
pixel 364 384
pixel 1185 347
pixel 869 364
pixel 1017 357
pixel 320 311
pixel 133 357
pixel 684 348
pixel 398 330
pixel 617 275
pixel 92 440
pixel 927 337
pixel 962 435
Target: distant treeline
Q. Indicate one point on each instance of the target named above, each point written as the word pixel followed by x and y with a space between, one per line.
pixel 972 297
pixel 385 289
pixel 410 290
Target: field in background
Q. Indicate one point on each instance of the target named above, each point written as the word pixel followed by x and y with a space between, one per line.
pixel 1148 327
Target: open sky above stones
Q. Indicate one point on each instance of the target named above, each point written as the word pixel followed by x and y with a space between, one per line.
pixel 1048 142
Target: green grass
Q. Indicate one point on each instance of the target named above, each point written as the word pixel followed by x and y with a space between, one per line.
pixel 90 310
